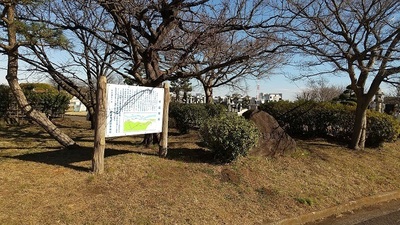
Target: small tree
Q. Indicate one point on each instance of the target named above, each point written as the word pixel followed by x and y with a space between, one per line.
pixel 13 27
pixel 89 53
pixel 181 85
pixel 347 97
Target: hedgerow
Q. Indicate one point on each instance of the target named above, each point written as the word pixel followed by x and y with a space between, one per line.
pixel 307 119
pixel 42 97
pixel 4 99
pixel 191 116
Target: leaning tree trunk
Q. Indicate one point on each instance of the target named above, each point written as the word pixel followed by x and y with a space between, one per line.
pixel 360 126
pixel 38 117
pixel 12 78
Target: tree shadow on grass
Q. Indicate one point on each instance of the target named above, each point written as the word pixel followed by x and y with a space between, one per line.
pixel 66 157
pixel 196 155
pixel 174 133
pixel 18 134
pixel 312 147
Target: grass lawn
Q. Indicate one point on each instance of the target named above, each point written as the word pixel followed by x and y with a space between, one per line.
pixel 41 184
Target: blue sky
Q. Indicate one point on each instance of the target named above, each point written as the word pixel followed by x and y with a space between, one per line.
pixel 276 83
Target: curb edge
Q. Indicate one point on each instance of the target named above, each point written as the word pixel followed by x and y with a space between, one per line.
pixel 336 210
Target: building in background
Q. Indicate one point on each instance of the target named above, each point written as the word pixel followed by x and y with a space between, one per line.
pixel 269 97
pixel 75 105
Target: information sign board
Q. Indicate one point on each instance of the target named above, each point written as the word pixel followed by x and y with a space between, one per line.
pixel 133 110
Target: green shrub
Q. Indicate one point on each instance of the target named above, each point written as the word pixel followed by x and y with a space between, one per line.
pixel 381 128
pixel 294 117
pixel 46 98
pixel 191 116
pixel 42 97
pixel 229 136
pixel 4 99
pixel 334 121
pixel 215 109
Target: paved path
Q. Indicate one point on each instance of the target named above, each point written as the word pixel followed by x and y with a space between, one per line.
pixel 382 214
pixel 389 219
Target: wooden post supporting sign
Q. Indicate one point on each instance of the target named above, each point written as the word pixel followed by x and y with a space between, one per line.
pixel 100 126
pixel 163 150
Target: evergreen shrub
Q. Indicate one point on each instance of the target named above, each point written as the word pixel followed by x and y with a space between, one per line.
pixel 46 98
pixel 229 136
pixel 381 128
pixel 4 99
pixel 191 116
pixel 307 119
pixel 42 97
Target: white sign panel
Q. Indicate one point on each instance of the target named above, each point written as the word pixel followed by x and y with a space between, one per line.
pixel 133 110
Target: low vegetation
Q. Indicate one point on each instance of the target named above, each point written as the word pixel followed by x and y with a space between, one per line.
pixel 42 97
pixel 332 121
pixel 41 184
pixel 229 136
pixel 191 116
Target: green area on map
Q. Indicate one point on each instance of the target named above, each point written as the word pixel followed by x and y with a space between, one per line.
pixel 134 126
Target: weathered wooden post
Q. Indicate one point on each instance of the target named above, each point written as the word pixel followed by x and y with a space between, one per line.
pixel 163 150
pixel 100 126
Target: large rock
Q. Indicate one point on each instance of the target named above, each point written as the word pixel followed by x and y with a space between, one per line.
pixel 274 140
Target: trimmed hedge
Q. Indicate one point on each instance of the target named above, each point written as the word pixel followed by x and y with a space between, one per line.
pixel 191 116
pixel 46 98
pixel 307 119
pixel 381 128
pixel 5 99
pixel 41 96
pixel 229 136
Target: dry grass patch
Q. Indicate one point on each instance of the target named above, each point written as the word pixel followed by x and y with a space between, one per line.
pixel 41 184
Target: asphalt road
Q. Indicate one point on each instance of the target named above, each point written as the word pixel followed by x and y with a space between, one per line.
pixel 381 214
pixel 389 219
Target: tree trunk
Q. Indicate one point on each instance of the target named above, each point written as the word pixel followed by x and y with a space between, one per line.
pixel 100 127
pixel 149 139
pixel 12 78
pixel 360 126
pixel 209 95
pixel 178 98
pixel 91 117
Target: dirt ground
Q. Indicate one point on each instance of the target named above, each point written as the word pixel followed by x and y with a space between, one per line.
pixel 40 183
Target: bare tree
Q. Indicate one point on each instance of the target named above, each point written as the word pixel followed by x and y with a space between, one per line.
pixel 359 38
pixel 13 27
pixel 319 90
pixel 167 40
pixel 218 43
pixel 245 57
pixel 87 58
pixel 160 39
pixel 229 46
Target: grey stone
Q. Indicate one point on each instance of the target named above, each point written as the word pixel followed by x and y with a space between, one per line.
pixel 274 140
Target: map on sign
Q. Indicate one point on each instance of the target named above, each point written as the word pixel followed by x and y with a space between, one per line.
pixel 133 110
